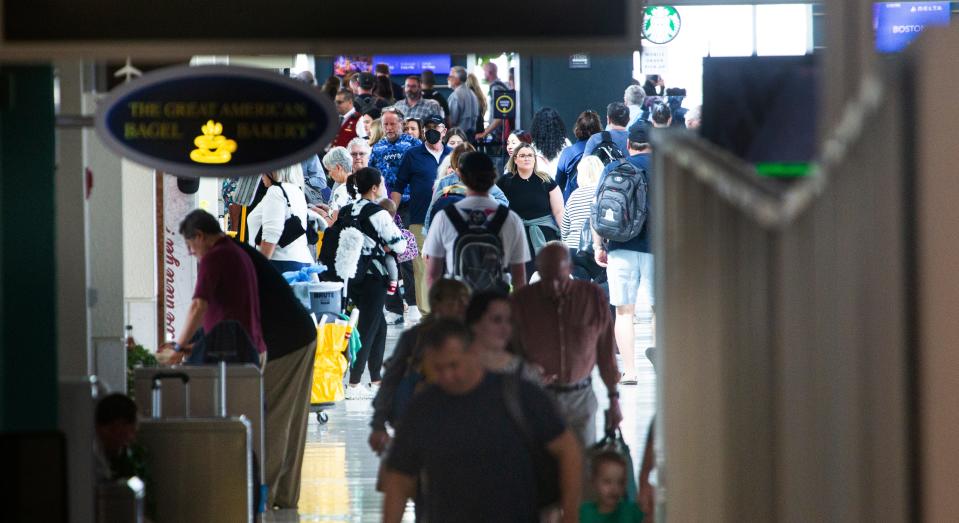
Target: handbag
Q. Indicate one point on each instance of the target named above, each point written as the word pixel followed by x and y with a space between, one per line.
pixel 292 227
pixel 411 251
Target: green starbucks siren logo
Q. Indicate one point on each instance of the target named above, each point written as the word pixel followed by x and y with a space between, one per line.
pixel 661 24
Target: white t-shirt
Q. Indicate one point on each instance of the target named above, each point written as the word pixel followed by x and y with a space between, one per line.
pixel 339 197
pixel 271 214
pixel 442 234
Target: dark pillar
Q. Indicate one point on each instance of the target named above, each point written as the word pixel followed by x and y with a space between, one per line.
pixel 28 350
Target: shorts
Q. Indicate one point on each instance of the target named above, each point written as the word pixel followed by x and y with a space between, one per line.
pixel 626 272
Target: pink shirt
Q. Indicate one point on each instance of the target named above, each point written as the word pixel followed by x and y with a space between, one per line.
pixel 227 282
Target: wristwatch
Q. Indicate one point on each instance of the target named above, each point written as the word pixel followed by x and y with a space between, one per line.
pixel 614 395
pixel 177 347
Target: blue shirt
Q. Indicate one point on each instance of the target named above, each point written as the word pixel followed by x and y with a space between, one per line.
pixel 417 173
pixel 387 156
pixel 566 167
pixel 640 243
pixel 619 137
pixel 449 180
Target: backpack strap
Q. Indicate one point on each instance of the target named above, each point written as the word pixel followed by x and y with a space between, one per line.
pixel 458 222
pixel 496 223
pixel 607 137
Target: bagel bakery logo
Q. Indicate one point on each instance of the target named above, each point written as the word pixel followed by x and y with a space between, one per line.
pixel 219 121
pixel 661 24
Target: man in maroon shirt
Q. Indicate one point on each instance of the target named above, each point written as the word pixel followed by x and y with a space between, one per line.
pixel 226 284
pixel 564 326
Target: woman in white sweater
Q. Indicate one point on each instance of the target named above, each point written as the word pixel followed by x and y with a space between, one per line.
pixel 266 222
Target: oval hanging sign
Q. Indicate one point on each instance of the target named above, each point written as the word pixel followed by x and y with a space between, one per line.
pixel 216 120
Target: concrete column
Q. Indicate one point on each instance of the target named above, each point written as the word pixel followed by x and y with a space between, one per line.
pixel 72 218
pixel 106 260
pixel 139 253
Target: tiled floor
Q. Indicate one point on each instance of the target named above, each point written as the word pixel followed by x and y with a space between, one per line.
pixel 339 470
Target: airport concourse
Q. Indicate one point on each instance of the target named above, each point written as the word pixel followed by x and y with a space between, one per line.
pixel 607 261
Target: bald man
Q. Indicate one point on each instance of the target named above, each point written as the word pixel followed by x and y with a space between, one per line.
pixel 564 326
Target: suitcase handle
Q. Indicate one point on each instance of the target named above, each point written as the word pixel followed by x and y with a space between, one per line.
pixel 156 388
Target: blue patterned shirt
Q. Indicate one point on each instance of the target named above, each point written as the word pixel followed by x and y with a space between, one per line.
pixel 387 156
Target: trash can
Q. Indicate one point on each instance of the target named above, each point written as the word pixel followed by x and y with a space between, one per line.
pixel 326 298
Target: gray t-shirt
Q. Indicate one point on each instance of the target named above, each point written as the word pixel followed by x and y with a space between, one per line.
pixel 464 109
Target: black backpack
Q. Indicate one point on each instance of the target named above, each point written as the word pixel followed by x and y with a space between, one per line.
pixel 331 241
pixel 619 213
pixel 607 151
pixel 478 258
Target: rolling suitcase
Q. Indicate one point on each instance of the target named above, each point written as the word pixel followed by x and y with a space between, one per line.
pixel 201 469
pixel 244 384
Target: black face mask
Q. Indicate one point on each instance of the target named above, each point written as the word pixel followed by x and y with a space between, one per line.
pixel 432 136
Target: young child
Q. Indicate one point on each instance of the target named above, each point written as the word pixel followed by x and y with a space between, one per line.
pixel 609 482
pixel 391 266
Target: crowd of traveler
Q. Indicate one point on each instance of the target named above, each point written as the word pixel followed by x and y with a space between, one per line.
pixel 514 285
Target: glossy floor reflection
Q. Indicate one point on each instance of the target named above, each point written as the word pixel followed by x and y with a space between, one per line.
pixel 339 470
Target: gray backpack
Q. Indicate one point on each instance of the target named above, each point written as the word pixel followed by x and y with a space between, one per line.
pixel 478 257
pixel 619 213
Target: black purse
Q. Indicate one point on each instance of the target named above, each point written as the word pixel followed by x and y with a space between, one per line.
pixel 292 227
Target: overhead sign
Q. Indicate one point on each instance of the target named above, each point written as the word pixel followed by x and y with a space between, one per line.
pixel 505 103
pixel 401 65
pixel 661 24
pixel 216 121
pixel 150 28
pixel 899 23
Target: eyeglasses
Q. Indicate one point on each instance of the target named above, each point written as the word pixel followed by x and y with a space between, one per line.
pixel 359 155
pixel 526 156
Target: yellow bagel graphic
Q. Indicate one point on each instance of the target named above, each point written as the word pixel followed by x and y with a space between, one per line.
pixel 212 146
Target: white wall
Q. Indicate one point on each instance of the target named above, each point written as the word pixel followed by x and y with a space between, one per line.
pixel 729 30
pixel 140 253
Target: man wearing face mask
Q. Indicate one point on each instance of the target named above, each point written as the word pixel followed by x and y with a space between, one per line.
pixel 418 172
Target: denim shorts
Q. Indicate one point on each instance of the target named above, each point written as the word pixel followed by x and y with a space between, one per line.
pixel 627 272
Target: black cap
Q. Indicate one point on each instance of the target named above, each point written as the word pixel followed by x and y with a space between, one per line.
pixel 188 185
pixel 433 119
pixel 638 134
pixel 365 80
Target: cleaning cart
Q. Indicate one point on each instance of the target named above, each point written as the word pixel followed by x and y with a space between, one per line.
pixel 334 337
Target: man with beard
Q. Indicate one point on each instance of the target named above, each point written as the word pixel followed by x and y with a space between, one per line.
pixel 417 173
pixel 414 105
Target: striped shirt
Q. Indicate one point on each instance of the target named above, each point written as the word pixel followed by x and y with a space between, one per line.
pixel 577 212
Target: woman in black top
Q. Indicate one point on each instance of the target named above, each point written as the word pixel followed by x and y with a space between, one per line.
pixel 535 197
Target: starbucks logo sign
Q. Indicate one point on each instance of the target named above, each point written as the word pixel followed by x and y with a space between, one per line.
pixel 661 24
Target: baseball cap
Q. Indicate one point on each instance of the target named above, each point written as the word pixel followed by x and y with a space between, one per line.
pixel 639 134
pixel 434 119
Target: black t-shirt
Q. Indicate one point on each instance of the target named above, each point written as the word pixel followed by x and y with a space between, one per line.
pixel 528 198
pixel 476 462
pixel 285 323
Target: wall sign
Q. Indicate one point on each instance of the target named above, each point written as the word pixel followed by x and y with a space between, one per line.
pixel 661 24
pixel 505 103
pixel 579 61
pixel 654 60
pixel 216 121
pixel 178 268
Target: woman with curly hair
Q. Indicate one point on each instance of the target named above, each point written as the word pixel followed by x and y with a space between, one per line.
pixel 587 124
pixel 549 138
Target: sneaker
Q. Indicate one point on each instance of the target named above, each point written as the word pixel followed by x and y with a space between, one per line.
pixel 374 388
pixel 359 392
pixel 413 314
pixel 393 318
pixel 628 379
